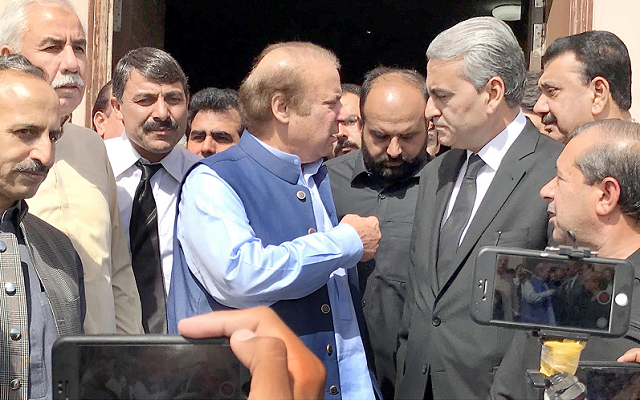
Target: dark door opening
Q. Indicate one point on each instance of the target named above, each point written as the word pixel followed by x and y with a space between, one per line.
pixel 216 41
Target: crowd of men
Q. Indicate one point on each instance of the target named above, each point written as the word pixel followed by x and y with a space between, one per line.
pixel 355 212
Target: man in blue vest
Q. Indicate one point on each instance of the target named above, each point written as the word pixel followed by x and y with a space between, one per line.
pixel 256 223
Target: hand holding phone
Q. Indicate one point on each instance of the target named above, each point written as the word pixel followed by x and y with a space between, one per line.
pixel 281 365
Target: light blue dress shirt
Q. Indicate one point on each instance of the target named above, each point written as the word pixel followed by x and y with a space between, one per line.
pixel 227 258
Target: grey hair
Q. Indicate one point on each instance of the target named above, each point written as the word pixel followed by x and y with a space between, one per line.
pixel 18 62
pixel 13 20
pixel 488 48
pixel 616 155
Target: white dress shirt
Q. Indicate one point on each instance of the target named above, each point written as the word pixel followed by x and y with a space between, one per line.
pixel 165 185
pixel 492 154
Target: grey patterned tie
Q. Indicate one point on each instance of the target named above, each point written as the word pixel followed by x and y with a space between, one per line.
pixel 451 231
pixel 145 253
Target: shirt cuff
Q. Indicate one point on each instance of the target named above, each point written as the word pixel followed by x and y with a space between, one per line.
pixel 349 241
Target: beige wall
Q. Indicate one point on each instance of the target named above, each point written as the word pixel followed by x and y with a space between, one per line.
pixel 622 17
pixel 82 8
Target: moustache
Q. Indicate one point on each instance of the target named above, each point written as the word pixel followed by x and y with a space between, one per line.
pixel 549 119
pixel 342 143
pixel 70 79
pixel 32 167
pixel 166 124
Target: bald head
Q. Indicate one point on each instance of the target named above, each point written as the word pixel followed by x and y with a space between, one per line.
pixel 285 69
pixel 394 134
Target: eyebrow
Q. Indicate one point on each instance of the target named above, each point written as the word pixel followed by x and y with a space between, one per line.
pixel 439 91
pixel 60 42
pixel 29 127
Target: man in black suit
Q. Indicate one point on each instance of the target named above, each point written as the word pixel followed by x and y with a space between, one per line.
pixel 475 78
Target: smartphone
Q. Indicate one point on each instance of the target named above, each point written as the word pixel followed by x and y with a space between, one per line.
pixel 541 290
pixel 610 380
pixel 146 367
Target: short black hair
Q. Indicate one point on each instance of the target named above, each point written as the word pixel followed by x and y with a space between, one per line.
pixel 154 64
pixel 351 88
pixel 411 76
pixel 602 54
pixel 18 62
pixel 216 100
pixel 102 101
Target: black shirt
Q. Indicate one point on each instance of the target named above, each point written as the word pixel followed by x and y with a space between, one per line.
pixel 383 279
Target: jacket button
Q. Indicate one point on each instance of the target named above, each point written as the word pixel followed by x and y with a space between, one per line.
pixel 363 303
pixel 436 321
pixel 381 196
pixel 325 309
pixel 14 384
pixel 10 288
pixel 329 349
pixel 301 195
pixel 3 247
pixel 311 230
pixel 15 334
pixel 333 390
pixel 425 368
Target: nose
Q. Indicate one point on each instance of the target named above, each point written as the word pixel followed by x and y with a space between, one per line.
pixel 542 106
pixel 342 131
pixel 69 60
pixel 208 147
pixel 393 149
pixel 342 113
pixel 160 111
pixel 431 110
pixel 548 191
pixel 43 150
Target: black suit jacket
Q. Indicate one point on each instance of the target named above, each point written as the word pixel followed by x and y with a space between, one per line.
pixel 438 337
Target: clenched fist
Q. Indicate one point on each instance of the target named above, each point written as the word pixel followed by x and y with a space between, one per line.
pixel 369 230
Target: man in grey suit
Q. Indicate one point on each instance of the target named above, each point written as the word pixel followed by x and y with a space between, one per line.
pixel 475 78
pixel 42 294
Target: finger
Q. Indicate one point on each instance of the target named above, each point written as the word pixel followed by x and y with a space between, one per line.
pixel 632 355
pixel 266 358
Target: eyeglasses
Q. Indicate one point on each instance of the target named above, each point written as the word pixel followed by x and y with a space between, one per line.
pixel 350 121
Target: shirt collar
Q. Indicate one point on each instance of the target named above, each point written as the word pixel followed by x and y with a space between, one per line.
pixel 286 157
pixel 493 152
pixel 15 214
pixel 127 157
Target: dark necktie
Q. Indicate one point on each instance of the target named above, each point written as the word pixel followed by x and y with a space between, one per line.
pixel 451 231
pixel 145 253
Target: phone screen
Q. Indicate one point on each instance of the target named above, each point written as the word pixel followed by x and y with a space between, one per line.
pixel 539 291
pixel 156 371
pixel 615 382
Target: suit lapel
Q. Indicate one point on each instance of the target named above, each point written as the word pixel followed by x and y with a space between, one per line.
pixel 509 174
pixel 447 175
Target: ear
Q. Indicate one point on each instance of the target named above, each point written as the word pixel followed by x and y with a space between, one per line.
pixel 495 89
pixel 116 108
pixel 601 94
pixel 5 50
pixel 99 119
pixel 609 195
pixel 279 108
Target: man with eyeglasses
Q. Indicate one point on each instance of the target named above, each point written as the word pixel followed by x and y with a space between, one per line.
pixel 349 135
